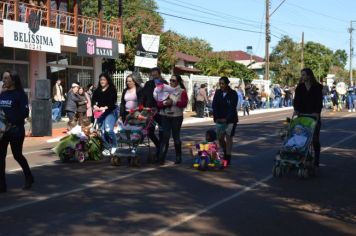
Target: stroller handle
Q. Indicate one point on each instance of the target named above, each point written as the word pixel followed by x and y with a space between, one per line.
pixel 305 115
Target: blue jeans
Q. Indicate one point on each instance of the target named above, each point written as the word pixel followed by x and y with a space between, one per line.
pixel 106 124
pixel 276 102
pixel 57 111
pixel 350 101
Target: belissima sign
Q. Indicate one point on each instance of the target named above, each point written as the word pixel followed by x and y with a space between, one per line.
pixel 31 36
pixel 90 46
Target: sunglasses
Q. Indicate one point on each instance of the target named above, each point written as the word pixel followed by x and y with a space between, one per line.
pixel 173 80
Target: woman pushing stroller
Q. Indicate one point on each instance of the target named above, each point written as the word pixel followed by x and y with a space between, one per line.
pixel 309 100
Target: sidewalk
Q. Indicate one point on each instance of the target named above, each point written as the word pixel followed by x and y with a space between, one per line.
pixel 60 128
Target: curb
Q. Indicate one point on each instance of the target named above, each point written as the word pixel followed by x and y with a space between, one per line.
pixel 195 120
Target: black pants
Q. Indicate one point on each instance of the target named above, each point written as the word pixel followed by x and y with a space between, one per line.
pixel 15 136
pixel 151 132
pixel 200 109
pixel 316 142
pixel 246 110
pixel 170 125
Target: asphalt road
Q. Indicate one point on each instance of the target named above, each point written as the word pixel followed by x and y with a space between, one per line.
pixel 95 198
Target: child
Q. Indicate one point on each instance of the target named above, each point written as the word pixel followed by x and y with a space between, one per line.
pixel 298 138
pixel 208 148
pixel 162 92
pixel 246 106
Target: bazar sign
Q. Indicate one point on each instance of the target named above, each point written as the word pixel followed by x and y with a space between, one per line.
pixel 90 46
pixel 31 36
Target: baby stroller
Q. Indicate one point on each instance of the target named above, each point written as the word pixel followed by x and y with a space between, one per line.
pixel 297 157
pixel 207 157
pixel 132 134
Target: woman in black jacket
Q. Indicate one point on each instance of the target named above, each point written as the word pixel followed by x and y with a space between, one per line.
pixel 104 100
pixel 131 97
pixel 225 116
pixel 14 103
pixel 309 100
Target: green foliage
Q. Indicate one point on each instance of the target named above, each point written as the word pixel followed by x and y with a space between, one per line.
pixel 219 65
pixel 285 60
pixel 172 42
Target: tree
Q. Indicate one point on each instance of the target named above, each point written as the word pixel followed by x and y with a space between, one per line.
pixel 285 61
pixel 219 65
pixel 340 58
pixel 319 58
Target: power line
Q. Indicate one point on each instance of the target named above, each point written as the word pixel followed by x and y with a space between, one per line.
pixel 317 13
pixel 211 12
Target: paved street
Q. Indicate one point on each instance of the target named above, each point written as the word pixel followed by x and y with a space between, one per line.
pixel 95 198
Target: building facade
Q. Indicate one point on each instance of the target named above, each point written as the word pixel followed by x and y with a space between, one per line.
pixel 50 40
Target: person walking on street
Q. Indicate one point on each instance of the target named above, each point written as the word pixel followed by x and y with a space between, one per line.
pixel 201 101
pixel 131 96
pixel 149 101
pixel 172 121
pixel 225 116
pixel 309 100
pixel 58 97
pixel 104 100
pixel 81 106
pixel 14 103
pixel 71 103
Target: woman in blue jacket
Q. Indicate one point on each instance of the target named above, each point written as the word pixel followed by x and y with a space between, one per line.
pixel 225 115
pixel 14 103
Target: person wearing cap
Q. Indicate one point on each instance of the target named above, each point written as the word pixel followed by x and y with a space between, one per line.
pixel 225 116
pixel 72 100
pixel 131 96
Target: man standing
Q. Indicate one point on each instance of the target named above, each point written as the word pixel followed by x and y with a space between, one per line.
pixel 58 98
pixel 326 92
pixel 149 101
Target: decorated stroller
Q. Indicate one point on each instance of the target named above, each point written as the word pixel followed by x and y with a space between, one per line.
pixel 79 145
pixel 207 157
pixel 300 157
pixel 132 134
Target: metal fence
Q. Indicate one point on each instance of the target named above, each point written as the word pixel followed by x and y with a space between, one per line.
pixel 189 82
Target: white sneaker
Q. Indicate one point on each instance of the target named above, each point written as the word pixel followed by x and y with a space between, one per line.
pixel 353 110
pixel 106 152
pixel 349 110
pixel 113 151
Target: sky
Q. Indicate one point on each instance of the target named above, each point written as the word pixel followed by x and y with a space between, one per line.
pixel 323 21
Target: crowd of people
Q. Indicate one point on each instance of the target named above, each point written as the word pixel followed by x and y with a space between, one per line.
pixel 169 99
pixel 249 98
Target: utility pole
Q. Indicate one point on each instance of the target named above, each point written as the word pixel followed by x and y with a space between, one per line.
pixel 302 55
pixel 268 40
pixel 351 52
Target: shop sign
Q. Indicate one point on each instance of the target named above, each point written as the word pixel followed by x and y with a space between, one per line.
pixel 147 51
pixel 31 36
pixel 91 46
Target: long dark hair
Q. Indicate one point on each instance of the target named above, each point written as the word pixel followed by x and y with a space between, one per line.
pixel 180 81
pixel 134 79
pixel 310 73
pixel 108 78
pixel 16 78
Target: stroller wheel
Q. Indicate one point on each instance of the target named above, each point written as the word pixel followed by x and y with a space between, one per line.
pixel 276 171
pixel 115 161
